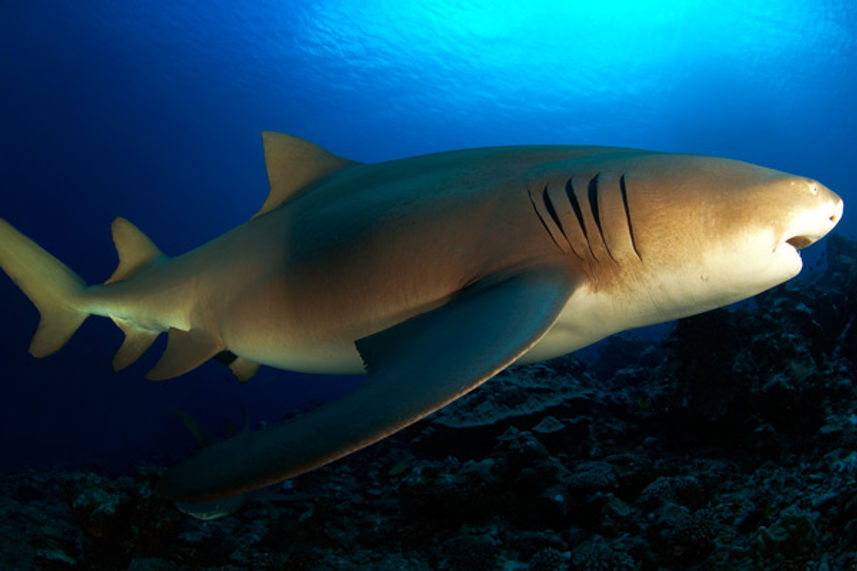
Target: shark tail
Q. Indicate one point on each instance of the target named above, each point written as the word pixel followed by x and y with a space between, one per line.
pixel 52 287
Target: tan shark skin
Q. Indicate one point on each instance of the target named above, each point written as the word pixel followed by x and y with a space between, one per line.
pixel 433 273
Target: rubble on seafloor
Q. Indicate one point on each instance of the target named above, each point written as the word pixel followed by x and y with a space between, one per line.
pixel 730 444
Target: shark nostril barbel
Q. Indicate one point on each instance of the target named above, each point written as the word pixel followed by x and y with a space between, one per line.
pixel 837 211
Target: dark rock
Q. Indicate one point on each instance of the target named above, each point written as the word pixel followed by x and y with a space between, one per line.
pixel 600 555
pixel 730 445
pixel 549 559
pixel 471 552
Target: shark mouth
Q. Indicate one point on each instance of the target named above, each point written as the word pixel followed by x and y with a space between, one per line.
pixel 799 242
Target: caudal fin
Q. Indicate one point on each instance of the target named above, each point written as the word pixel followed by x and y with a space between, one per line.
pixel 52 287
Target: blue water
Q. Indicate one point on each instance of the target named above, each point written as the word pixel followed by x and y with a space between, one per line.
pixel 152 111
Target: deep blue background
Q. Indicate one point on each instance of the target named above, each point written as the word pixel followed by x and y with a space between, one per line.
pixel 152 110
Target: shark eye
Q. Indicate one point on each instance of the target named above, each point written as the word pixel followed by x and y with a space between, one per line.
pixel 813 188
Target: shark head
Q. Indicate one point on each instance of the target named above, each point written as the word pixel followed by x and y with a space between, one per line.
pixel 715 231
pixel 659 236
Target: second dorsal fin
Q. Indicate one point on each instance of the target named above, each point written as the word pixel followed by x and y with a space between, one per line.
pixel 135 250
pixel 294 163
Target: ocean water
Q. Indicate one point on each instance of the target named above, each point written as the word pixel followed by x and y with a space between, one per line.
pixel 153 110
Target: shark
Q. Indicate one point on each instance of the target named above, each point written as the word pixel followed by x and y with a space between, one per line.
pixel 430 275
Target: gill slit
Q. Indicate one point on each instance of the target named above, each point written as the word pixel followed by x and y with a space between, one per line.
pixel 551 210
pixel 624 190
pixel 592 195
pixel 541 217
pixel 578 213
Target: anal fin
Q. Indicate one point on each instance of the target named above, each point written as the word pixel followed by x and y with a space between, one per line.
pixel 243 369
pixel 137 340
pixel 186 350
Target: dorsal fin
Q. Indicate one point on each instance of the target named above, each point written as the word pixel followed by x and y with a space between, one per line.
pixel 292 164
pixel 135 250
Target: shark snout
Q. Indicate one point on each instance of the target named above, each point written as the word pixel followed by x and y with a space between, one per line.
pixel 815 223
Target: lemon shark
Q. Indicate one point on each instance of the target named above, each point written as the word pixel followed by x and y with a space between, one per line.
pixel 430 274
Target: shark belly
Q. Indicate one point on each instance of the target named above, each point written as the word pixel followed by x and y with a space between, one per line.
pixel 584 319
pixel 590 315
pixel 271 327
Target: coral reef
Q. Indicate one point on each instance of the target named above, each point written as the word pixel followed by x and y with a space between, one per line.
pixel 729 444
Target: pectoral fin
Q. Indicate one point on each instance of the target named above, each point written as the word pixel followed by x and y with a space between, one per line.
pixel 415 367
